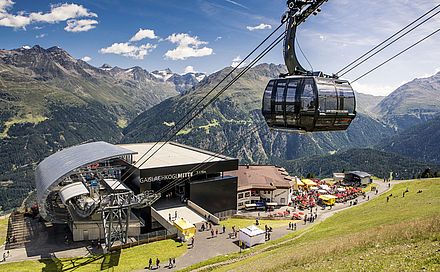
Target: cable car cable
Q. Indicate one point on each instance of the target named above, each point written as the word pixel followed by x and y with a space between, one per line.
pixel 395 56
pixel 271 46
pixel 274 43
pixel 389 38
pixel 262 54
pixel 130 171
pixel 210 158
pixel 302 53
pixel 369 57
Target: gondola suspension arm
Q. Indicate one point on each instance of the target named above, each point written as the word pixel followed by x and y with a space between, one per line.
pixel 298 12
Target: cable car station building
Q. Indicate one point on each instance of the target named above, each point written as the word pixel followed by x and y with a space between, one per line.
pixel 110 191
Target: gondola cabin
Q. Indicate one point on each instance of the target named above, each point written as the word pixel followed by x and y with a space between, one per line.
pixel 309 103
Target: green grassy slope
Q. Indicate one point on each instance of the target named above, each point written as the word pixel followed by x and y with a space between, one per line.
pixel 401 235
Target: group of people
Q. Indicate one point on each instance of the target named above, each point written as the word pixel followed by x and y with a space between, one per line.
pixel 214 231
pixel 171 264
pixel 172 218
pixel 5 255
pixel 292 226
pixel 310 217
pixel 12 239
pixel 268 230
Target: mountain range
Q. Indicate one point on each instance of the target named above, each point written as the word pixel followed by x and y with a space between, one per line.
pixel 50 100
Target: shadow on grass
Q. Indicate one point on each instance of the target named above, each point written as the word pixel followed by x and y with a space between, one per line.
pixel 54 264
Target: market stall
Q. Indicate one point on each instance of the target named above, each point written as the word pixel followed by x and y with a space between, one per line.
pixel 185 229
pixel 251 236
pixel 309 182
pixel 328 200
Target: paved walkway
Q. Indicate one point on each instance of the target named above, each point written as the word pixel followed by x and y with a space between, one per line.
pixel 206 247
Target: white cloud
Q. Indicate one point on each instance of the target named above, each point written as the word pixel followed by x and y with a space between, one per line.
pixel 129 50
pixel 62 12
pixel 16 21
pixel 375 89
pixel 5 5
pixel 187 46
pixel 41 36
pixel 86 58
pixel 80 25
pixel 143 34
pixel 218 38
pixel 27 47
pixel 236 61
pixel 259 27
pixel 189 69
pixel 58 13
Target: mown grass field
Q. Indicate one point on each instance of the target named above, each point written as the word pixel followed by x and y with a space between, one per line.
pixel 3 228
pixel 400 235
pixel 126 260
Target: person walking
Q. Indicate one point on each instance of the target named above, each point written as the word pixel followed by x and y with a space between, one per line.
pixel 150 263
pixel 169 217
pixel 216 232
pixel 157 263
pixel 170 264
pixel 294 226
pixel 212 233
pixel 175 214
pixel 224 229
pixel 192 242
pixel 174 262
pixel 388 199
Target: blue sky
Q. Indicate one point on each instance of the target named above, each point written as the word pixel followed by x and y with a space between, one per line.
pixel 210 34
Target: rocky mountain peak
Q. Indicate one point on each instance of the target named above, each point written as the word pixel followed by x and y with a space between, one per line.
pixel 105 66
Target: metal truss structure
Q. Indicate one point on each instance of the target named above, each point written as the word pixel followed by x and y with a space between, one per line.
pixel 115 214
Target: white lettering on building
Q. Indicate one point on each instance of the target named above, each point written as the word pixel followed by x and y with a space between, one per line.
pixel 171 176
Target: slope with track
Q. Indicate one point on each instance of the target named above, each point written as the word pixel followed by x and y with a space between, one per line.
pixel 230 118
pixel 366 103
pixel 421 142
pixel 412 103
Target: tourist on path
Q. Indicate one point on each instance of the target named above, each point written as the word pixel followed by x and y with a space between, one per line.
pixel 150 263
pixel 157 263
